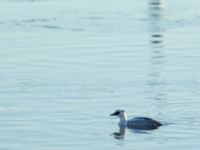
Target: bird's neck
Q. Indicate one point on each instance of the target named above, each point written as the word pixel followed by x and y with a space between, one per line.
pixel 123 120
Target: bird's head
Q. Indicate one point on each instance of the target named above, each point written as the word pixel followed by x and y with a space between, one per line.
pixel 120 113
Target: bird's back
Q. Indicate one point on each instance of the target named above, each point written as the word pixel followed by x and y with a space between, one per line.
pixel 143 123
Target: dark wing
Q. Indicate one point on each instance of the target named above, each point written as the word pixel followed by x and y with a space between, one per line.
pixel 143 123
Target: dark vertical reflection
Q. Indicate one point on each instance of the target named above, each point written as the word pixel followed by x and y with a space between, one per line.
pixel 156 82
pixel 156 10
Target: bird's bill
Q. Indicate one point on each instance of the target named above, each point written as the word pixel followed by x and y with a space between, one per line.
pixel 115 114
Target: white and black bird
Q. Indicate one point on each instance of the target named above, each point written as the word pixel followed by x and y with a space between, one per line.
pixel 139 123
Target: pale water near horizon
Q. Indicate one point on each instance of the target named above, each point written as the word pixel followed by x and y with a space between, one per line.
pixel 66 65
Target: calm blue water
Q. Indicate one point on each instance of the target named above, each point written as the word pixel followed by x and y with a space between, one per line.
pixel 65 66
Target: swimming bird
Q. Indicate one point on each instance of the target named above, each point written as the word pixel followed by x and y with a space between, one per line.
pixel 139 123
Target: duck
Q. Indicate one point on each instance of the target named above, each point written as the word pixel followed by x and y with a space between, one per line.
pixel 138 123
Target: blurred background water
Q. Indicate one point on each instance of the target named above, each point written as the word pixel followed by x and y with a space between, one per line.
pixel 66 65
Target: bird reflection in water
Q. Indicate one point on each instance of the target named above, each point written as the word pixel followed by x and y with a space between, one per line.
pixel 121 134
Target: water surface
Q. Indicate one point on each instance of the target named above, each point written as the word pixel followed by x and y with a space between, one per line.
pixel 65 66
